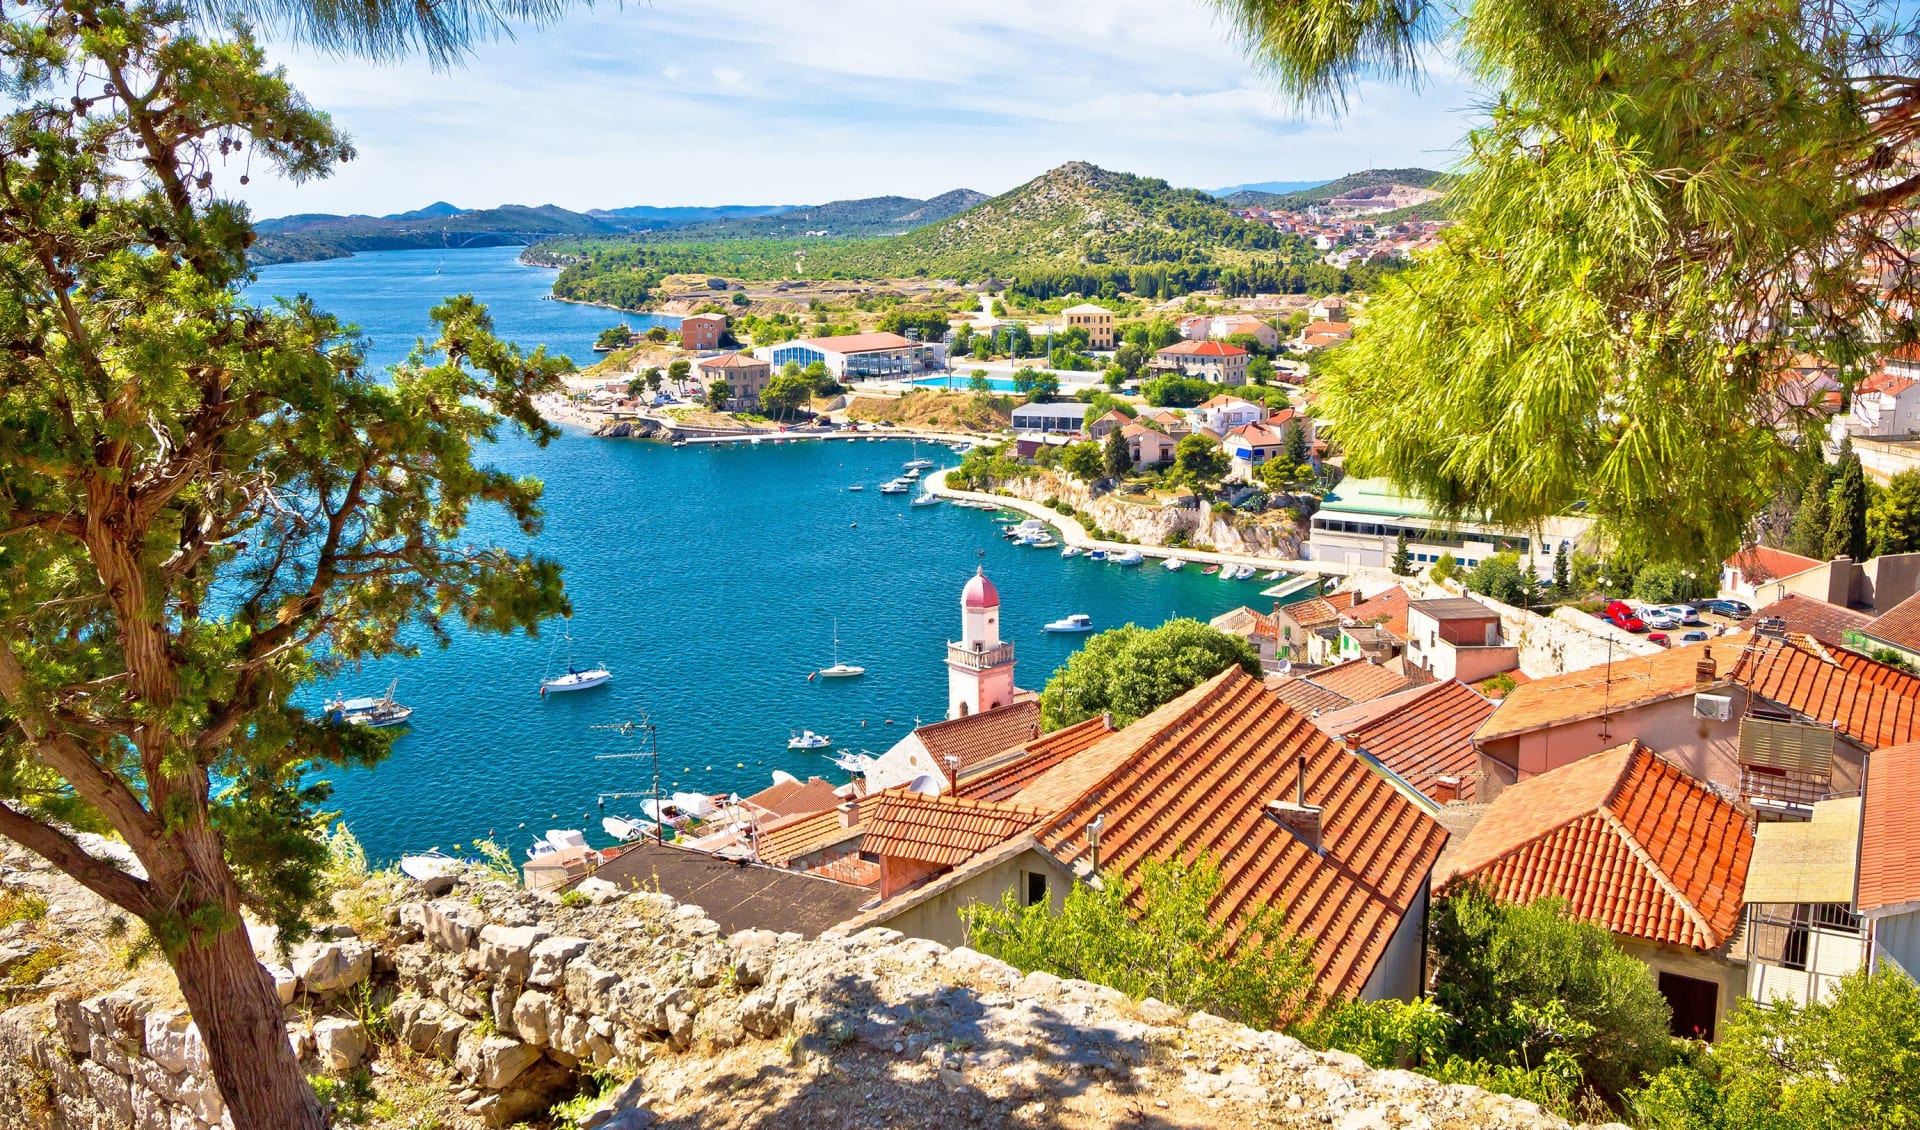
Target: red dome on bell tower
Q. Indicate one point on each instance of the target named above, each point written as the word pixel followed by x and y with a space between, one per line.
pixel 979 592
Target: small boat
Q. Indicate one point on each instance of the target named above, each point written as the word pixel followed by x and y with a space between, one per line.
pixel 807 739
pixel 1243 573
pixel 1041 543
pixel 558 840
pixel 1096 555
pixel 1229 572
pixel 1078 622
pixel 1210 570
pixel 625 829
pixel 429 865
pixel 679 443
pixel 917 465
pixel 1071 551
pixel 1174 564
pixel 576 678
pixel 1130 557
pixel 858 486
pixel 858 763
pixel 375 712
pixel 839 670
pixel 1272 576
pixel 927 500
pixel 911 476
pixel 895 487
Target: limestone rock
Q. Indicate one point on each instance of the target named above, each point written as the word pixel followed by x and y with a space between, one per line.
pixel 598 891
pixel 548 960
pixel 326 967
pixel 508 950
pixel 496 1061
pixel 530 1017
pixel 340 1044
pixel 451 924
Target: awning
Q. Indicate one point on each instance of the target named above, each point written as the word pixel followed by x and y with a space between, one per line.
pixel 1807 861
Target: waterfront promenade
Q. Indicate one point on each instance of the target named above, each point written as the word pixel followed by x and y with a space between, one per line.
pixel 1073 533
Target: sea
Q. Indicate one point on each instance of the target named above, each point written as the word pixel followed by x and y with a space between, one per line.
pixel 709 579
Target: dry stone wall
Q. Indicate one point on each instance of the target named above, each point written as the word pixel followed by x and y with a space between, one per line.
pixel 523 997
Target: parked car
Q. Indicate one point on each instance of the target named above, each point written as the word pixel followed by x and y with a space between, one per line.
pixel 1732 609
pixel 1695 636
pixel 1683 613
pixel 1621 615
pixel 1659 638
pixel 1660 620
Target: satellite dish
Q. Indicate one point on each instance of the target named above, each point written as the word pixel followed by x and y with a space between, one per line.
pixel 782 777
pixel 926 784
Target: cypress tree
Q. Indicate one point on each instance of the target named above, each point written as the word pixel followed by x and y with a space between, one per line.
pixel 1809 535
pixel 1562 582
pixel 1118 459
pixel 1402 561
pixel 1847 511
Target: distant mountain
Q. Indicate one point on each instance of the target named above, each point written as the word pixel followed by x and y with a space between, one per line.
pixel 872 216
pixel 437 210
pixel 1353 183
pixel 313 236
pixel 681 216
pixel 1274 187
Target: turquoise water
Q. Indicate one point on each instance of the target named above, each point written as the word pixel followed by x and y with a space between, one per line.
pixel 708 580
pixel 960 383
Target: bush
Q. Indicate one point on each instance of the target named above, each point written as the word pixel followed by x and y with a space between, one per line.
pixel 1131 670
pixel 1502 578
pixel 1157 940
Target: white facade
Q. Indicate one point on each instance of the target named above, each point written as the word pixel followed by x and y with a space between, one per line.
pixel 1224 413
pixel 1058 417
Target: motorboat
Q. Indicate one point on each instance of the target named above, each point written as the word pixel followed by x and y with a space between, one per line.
pixel 1096 555
pixel 1174 564
pixel 1229 572
pixel 894 487
pixel 1071 551
pixel 1243 572
pixel 376 712
pixel 839 670
pixel 807 739
pixel 1210 570
pixel 1130 557
pixel 858 487
pixel 1078 622
pixel 917 465
pixel 430 865
pixel 1271 576
pixel 1042 542
pixel 856 763
pixel 625 829
pixel 558 840
pixel 576 678
pixel 927 500
pixel 911 476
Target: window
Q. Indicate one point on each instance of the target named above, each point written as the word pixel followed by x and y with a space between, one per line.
pixel 1696 1005
pixel 1033 888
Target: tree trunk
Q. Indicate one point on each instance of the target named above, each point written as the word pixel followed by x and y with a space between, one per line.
pixel 232 1000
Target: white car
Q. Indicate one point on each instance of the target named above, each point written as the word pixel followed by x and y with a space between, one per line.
pixel 1684 613
pixel 1660 619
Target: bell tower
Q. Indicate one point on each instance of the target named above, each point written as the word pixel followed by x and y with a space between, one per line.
pixel 980 666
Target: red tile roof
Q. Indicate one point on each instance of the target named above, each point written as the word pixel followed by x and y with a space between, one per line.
pixel 1760 563
pixel 1872 703
pixel 1196 775
pixel 1335 329
pixel 1889 876
pixel 734 361
pixel 1609 688
pixel 786 840
pixel 849 869
pixel 856 343
pixel 1203 349
pixel 1629 841
pixel 1899 625
pixel 1811 616
pixel 1422 734
pixel 1887 383
pixel 1386 609
pixel 979 738
pixel 1004 782
pixel 942 830
pixel 1359 680
pixel 789 798
pixel 1311 612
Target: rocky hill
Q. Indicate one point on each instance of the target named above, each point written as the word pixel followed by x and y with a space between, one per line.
pixel 481 1005
pixel 320 236
pixel 1396 188
pixel 873 216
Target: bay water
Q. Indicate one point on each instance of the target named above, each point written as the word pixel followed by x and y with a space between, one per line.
pixel 707 578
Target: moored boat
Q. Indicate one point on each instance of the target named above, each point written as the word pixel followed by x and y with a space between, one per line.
pixel 1078 622
pixel 807 739
pixel 839 670
pixel 1130 557
pixel 429 865
pixel 894 487
pixel 1210 570
pixel 375 712
pixel 576 678
pixel 1071 551
pixel 927 500
pixel 1174 564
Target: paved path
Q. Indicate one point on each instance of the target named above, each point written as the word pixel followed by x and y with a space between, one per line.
pixel 1073 533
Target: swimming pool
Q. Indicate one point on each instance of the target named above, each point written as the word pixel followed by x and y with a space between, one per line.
pixel 963 384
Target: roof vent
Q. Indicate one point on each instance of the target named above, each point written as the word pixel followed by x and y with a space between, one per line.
pixel 1296 815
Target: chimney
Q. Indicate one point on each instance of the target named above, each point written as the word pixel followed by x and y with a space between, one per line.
pixel 1296 815
pixel 849 814
pixel 1445 790
pixel 1706 674
pixel 1348 741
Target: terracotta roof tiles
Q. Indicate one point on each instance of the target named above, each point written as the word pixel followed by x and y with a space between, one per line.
pixel 1359 680
pixel 942 830
pixel 1627 840
pixel 1004 782
pixel 1202 349
pixel 978 738
pixel 784 841
pixel 790 798
pixel 1197 776
pixel 1421 734
pixel 1758 563
pixel 1872 703
pixel 1889 876
pixel 1811 616
pixel 1609 687
pixel 1304 695
pixel 1386 609
pixel 1899 625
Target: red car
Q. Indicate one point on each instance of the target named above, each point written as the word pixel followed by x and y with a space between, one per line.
pixel 1622 616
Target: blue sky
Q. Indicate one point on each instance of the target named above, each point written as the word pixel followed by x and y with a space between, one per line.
pixel 802 101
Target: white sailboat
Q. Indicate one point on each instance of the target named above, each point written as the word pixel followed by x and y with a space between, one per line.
pixel 576 678
pixel 839 670
pixel 375 712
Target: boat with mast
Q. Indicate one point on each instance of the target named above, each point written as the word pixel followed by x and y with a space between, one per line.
pixel 376 712
pixel 839 670
pixel 576 678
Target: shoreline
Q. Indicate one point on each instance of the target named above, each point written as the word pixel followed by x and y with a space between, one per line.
pixel 1074 534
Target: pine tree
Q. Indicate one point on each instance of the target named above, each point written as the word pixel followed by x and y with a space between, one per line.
pixel 1118 459
pixel 1298 451
pixel 1809 535
pixel 1562 581
pixel 1847 511
pixel 1402 561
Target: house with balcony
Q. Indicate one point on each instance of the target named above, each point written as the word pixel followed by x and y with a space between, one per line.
pixel 1457 638
pixel 1221 414
pixel 1215 362
pixel 1801 935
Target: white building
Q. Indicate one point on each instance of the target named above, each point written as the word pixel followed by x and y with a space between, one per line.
pixel 1457 637
pixel 1888 402
pixel 980 665
pixel 1360 524
pixel 1061 416
pixel 1222 414
pixel 859 356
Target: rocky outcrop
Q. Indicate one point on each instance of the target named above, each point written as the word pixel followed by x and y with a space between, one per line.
pixel 642 428
pixel 517 996
pixel 1269 534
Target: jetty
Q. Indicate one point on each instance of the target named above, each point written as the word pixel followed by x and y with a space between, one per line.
pixel 1073 533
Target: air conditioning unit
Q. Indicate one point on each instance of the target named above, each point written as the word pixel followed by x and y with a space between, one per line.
pixel 1718 707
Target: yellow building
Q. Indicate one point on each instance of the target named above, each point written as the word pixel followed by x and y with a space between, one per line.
pixel 1096 320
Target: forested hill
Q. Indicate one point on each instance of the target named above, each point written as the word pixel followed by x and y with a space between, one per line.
pixel 1075 228
pixel 315 236
pixel 876 215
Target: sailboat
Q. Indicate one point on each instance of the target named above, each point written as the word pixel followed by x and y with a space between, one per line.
pixel 376 712
pixel 576 679
pixel 839 670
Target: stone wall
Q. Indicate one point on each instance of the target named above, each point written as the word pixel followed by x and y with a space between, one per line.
pixel 518 996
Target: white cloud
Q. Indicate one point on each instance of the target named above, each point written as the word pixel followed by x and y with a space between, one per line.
pixel 809 102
